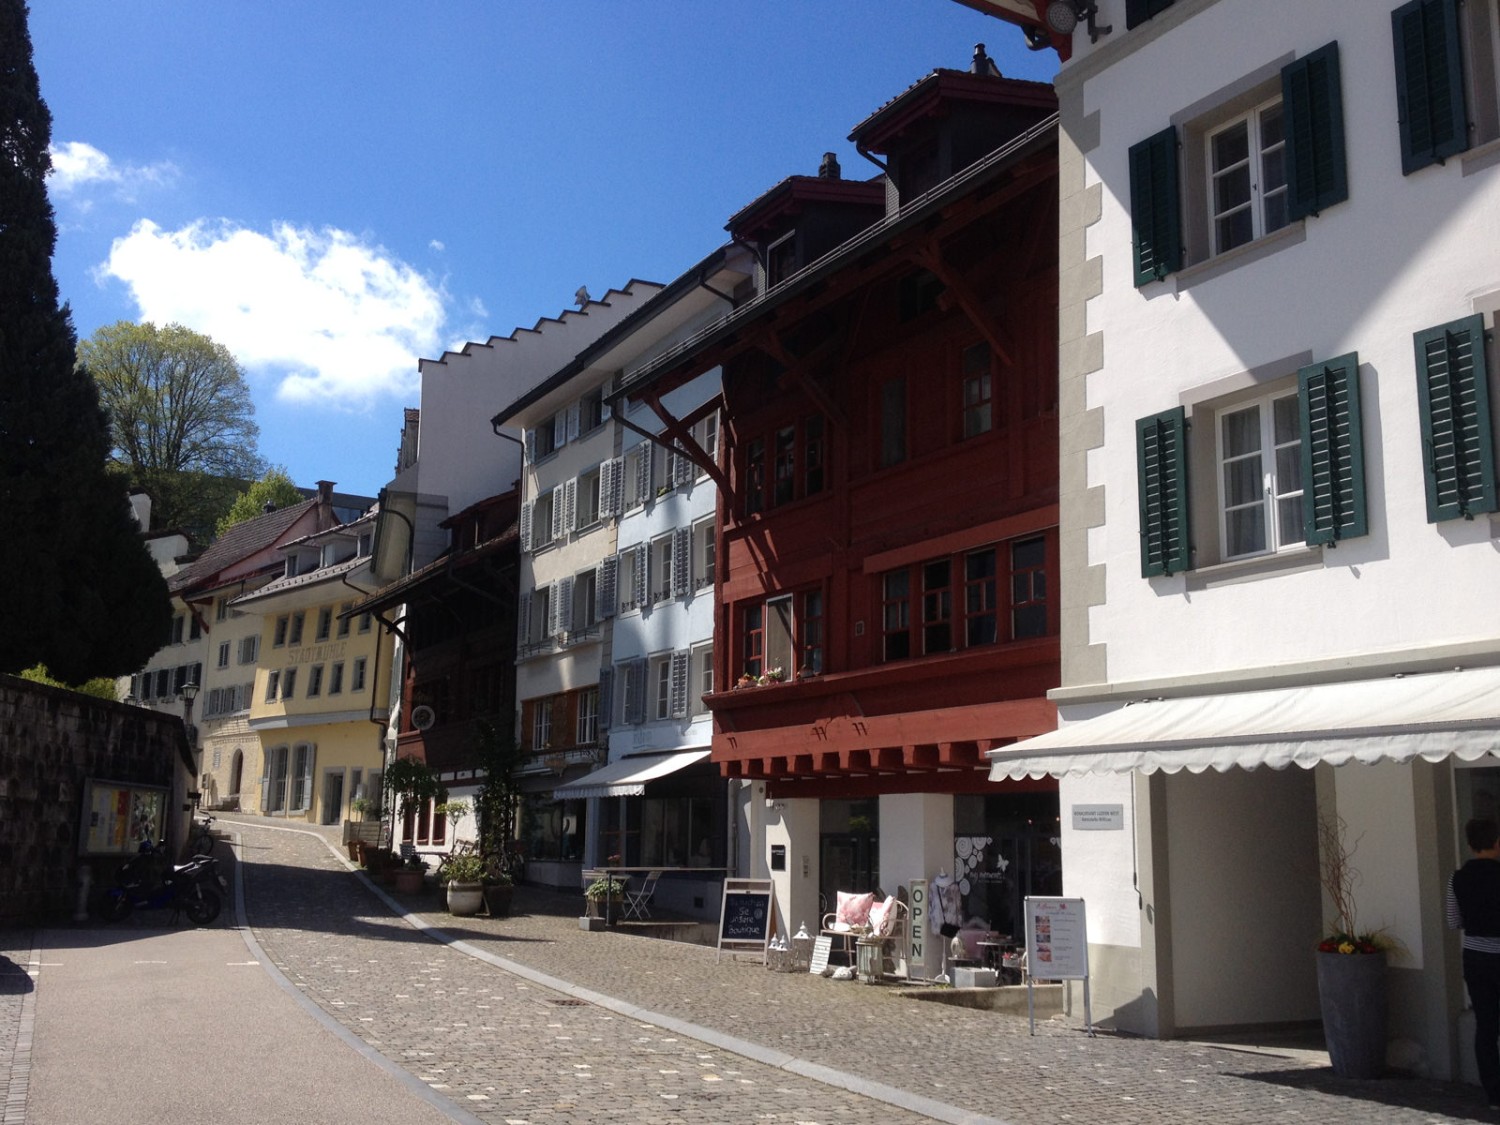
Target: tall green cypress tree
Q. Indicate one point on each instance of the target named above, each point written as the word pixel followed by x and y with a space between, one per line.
pixel 85 597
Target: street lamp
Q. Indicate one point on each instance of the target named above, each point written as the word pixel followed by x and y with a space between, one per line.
pixel 190 693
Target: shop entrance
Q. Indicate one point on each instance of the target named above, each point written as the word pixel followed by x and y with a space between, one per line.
pixel 849 847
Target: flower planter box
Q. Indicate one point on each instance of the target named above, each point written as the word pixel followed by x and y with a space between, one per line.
pixel 465 898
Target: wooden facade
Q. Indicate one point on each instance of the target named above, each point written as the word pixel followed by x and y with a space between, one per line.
pixel 886 565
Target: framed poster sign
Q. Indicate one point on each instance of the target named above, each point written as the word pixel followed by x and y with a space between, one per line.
pixel 1057 948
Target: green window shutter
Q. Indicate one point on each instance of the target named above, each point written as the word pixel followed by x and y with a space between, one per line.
pixel 1139 11
pixel 1458 452
pixel 1155 209
pixel 1429 83
pixel 1316 174
pixel 1161 461
pixel 1333 458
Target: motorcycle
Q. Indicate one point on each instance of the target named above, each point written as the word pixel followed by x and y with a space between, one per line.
pixel 150 880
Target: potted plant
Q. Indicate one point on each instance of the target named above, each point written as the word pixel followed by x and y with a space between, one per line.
pixel 464 875
pixel 1351 964
pixel 499 887
pixel 605 887
pixel 455 811
pixel 364 807
pixel 410 874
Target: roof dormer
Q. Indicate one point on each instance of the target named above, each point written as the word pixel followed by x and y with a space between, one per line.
pixel 804 217
pixel 948 121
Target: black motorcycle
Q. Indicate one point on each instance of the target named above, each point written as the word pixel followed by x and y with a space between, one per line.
pixel 150 880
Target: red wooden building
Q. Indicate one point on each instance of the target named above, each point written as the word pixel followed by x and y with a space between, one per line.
pixel 886 564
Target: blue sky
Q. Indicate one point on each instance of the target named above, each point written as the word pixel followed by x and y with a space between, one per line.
pixel 335 190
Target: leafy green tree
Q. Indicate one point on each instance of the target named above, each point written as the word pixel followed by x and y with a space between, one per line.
pixel 88 600
pixel 181 418
pixel 101 687
pixel 273 488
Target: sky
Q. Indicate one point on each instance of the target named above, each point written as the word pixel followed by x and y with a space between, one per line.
pixel 335 190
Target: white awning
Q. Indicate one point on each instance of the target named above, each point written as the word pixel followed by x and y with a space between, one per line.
pixel 628 776
pixel 1396 718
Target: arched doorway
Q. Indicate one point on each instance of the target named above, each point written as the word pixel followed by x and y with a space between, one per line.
pixel 236 769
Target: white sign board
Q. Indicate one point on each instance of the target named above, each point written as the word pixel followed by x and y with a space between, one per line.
pixel 918 906
pixel 1098 818
pixel 1057 948
pixel 1057 943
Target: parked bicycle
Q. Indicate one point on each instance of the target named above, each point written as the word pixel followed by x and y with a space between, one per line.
pixel 203 836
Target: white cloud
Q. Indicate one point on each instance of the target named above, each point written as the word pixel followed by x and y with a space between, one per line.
pixel 336 319
pixel 77 165
pixel 437 246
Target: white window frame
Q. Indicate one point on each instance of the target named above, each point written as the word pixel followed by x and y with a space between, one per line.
pixel 587 727
pixel 1274 493
pixel 223 654
pixel 1262 201
pixel 589 501
pixel 541 724
pixel 249 649
pixel 357 679
pixel 706 434
pixel 704 547
pixel 702 679
pixel 315 681
pixel 542 519
pixel 660 569
pixel 273 685
pixel 584 617
pixel 660 687
pixel 288 683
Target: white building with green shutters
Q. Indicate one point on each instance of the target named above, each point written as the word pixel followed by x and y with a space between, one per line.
pixel 1280 262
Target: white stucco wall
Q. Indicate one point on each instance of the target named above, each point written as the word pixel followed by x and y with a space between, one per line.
pixel 1403 253
pixel 1378 808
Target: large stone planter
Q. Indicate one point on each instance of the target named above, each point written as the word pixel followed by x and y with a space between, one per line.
pixel 602 908
pixel 1352 992
pixel 465 898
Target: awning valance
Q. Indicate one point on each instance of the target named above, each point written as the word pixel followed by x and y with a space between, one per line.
pixel 628 776
pixel 1396 718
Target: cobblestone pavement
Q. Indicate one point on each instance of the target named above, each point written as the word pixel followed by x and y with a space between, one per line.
pixel 528 1020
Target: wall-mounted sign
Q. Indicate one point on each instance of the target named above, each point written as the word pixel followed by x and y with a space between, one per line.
pixel 1098 818
pixel 119 817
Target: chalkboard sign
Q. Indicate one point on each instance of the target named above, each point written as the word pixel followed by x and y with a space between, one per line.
pixel 746 914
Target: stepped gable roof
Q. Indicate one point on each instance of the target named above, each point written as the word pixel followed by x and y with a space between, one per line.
pixel 239 542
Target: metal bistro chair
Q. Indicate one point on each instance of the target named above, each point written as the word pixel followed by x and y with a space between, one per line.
pixel 638 903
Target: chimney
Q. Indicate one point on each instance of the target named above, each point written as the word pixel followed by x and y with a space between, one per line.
pixel 325 503
pixel 983 64
pixel 829 169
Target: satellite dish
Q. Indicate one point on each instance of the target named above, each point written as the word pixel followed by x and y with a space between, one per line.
pixel 422 717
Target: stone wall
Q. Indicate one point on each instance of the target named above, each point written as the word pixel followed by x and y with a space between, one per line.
pixel 51 742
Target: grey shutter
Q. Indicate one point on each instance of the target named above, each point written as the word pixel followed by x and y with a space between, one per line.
pixel 1430 99
pixel 1316 173
pixel 523 620
pixel 607 489
pixel 307 779
pixel 1333 460
pixel 524 526
pixel 679 684
pixel 642 557
pixel 570 504
pixel 573 422
pixel 565 620
pixel 606 697
pixel 557 513
pixel 553 616
pixel 605 598
pixel 529 438
pixel 1161 462
pixel 682 469
pixel 1155 206
pixel 1458 452
pixel 682 561
pixel 559 429
pixel 645 474
pixel 265 789
pixel 635 702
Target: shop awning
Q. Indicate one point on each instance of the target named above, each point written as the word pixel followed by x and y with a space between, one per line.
pixel 628 776
pixel 1397 718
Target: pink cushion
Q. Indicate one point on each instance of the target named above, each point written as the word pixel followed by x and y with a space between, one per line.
pixel 854 910
pixel 883 915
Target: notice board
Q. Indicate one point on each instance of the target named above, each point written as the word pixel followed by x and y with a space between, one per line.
pixel 746 914
pixel 1057 943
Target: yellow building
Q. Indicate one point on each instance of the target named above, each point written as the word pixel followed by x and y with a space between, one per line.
pixel 322 685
